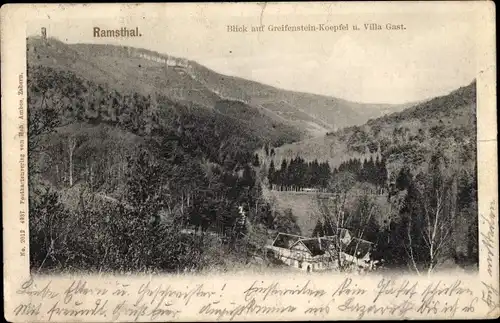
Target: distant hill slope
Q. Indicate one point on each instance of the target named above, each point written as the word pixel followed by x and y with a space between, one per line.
pixel 314 113
pixel 117 70
pixel 125 70
pixel 403 138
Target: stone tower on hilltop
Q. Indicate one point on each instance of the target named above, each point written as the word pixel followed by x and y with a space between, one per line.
pixel 44 33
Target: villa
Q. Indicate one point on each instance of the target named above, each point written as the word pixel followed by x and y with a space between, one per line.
pixel 320 253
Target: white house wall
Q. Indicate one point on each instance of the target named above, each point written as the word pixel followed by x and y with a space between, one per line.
pixel 300 258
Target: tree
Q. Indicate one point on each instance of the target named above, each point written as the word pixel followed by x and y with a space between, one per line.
pixel 363 222
pixel 383 172
pixel 467 205
pixel 377 176
pixel 145 191
pixel 50 227
pixel 71 150
pixel 404 178
pixel 248 177
pixel 334 215
pixel 430 217
pixel 174 163
pixel 333 211
pixel 324 175
pixel 370 171
pixel 286 223
pixel 43 118
pixel 256 162
pixel 283 174
pixel 271 175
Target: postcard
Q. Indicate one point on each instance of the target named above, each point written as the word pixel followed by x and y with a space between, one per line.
pixel 249 161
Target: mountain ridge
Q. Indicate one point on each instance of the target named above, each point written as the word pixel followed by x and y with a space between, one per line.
pixel 185 80
pixel 441 116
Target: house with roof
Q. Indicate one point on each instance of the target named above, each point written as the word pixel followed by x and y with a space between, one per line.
pixel 320 253
pixel 308 254
pixel 358 250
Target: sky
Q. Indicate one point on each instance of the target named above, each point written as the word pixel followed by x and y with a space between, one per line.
pixel 435 54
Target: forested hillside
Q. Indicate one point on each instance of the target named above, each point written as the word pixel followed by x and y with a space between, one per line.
pixel 137 165
pixel 422 161
pixel 403 138
pixel 310 114
pixel 116 176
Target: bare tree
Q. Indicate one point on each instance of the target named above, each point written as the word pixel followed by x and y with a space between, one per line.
pixel 409 248
pixel 437 224
pixel 335 216
pixel 43 119
pixel 432 217
pixel 71 150
pixel 438 229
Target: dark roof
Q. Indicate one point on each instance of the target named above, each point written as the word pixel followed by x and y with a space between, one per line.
pixel 285 240
pixel 317 246
pixel 358 247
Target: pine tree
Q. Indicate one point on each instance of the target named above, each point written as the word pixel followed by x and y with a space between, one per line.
pixel 357 166
pixel 404 178
pixel 363 174
pixel 248 177
pixel 383 172
pixel 318 229
pixel 256 161
pixel 283 178
pixel 378 172
pixel 371 174
pixel 291 173
pixel 307 175
pixel 271 175
pixel 315 173
pixel 302 173
pixel 324 174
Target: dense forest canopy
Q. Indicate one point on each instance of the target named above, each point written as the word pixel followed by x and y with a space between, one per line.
pixel 161 162
pixel 406 181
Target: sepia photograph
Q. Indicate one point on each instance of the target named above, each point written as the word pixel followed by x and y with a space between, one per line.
pixel 249 161
pixel 141 161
